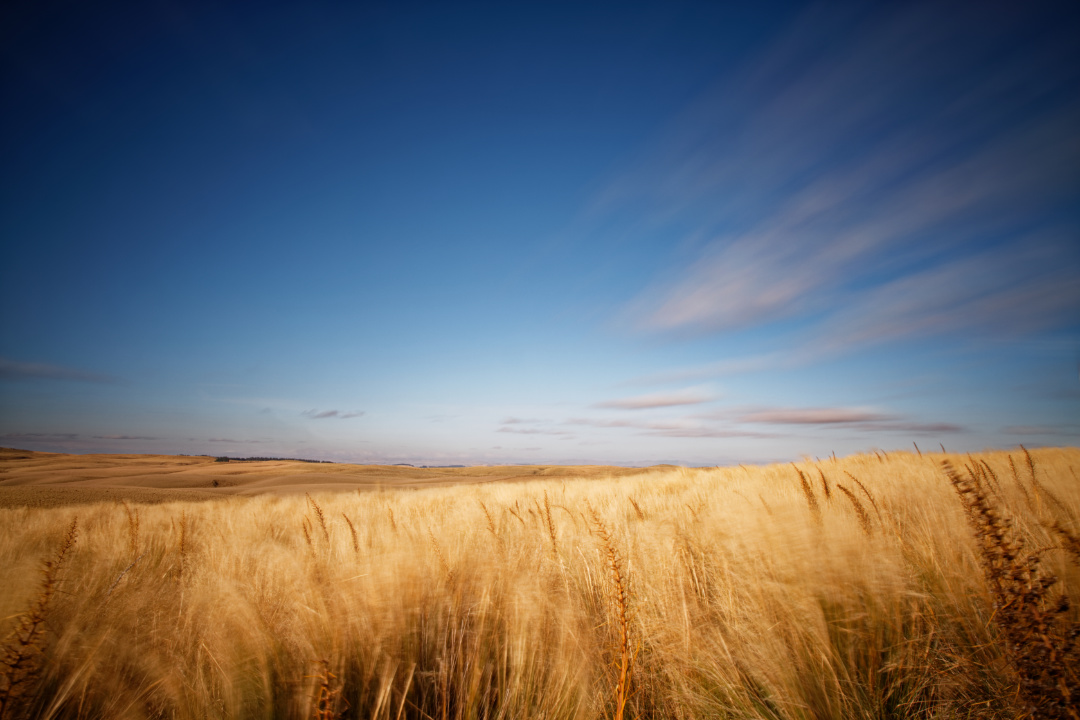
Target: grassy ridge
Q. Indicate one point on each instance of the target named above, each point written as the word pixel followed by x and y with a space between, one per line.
pixel 863 587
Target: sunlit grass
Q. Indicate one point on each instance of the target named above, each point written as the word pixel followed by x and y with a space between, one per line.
pixel 849 588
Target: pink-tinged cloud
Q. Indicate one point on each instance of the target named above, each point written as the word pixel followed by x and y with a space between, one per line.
pixel 679 429
pixel 325 414
pixel 813 416
pixel 848 419
pixel 658 400
pixel 532 431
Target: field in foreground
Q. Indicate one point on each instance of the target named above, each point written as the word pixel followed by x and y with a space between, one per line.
pixel 874 586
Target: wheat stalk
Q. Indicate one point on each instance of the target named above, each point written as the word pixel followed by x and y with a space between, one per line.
pixel 133 529
pixel 20 654
pixel 352 532
pixel 327 698
pixel 865 492
pixel 183 541
pixel 514 513
pixel 825 485
pixel 808 493
pixel 621 600
pixel 549 524
pixel 1042 644
pixel 442 558
pixel 864 519
pixel 319 516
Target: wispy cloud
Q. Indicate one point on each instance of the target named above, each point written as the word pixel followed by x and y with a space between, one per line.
pixel 729 366
pixel 326 414
pixel 13 370
pixel 235 442
pixel 124 437
pixel 877 178
pixel 813 416
pixel 845 418
pixel 672 428
pixel 39 437
pixel 689 396
pixel 532 431
pixel 1055 430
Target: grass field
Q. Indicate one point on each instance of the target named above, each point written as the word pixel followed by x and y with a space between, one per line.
pixel 873 586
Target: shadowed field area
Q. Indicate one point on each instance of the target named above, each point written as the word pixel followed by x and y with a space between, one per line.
pixel 875 586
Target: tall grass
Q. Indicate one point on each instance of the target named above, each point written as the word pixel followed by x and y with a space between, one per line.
pixel 751 597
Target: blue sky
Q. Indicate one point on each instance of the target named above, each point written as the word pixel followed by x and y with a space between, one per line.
pixel 609 233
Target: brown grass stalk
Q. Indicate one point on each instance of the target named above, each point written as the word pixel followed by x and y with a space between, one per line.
pixel 1041 642
pixel 183 546
pixel 808 493
pixel 133 529
pixel 319 516
pixel 352 532
pixel 21 653
pixel 549 524
pixel 515 514
pixel 866 492
pixel 1020 484
pixel 328 696
pixel 860 511
pixel 620 583
pixel 443 563
pixel 825 485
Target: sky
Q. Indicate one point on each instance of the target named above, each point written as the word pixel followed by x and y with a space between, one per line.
pixel 618 233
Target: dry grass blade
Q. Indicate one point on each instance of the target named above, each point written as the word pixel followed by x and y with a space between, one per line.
pixel 513 512
pixel 22 650
pixel 549 524
pixel 306 525
pixel 637 508
pixel 352 532
pixel 808 493
pixel 328 697
pixel 621 605
pixel 491 523
pixel 133 529
pixel 860 511
pixel 1020 485
pixel 825 485
pixel 1070 542
pixel 319 516
pixel 442 558
pixel 120 577
pixel 865 492
pixel 183 546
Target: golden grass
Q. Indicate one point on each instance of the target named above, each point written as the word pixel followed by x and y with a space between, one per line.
pixel 752 596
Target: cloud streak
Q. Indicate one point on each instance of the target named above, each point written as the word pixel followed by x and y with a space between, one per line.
pixel 673 429
pixel 124 437
pixel 327 414
pixel 845 418
pixel 689 396
pixel 870 176
pixel 12 370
